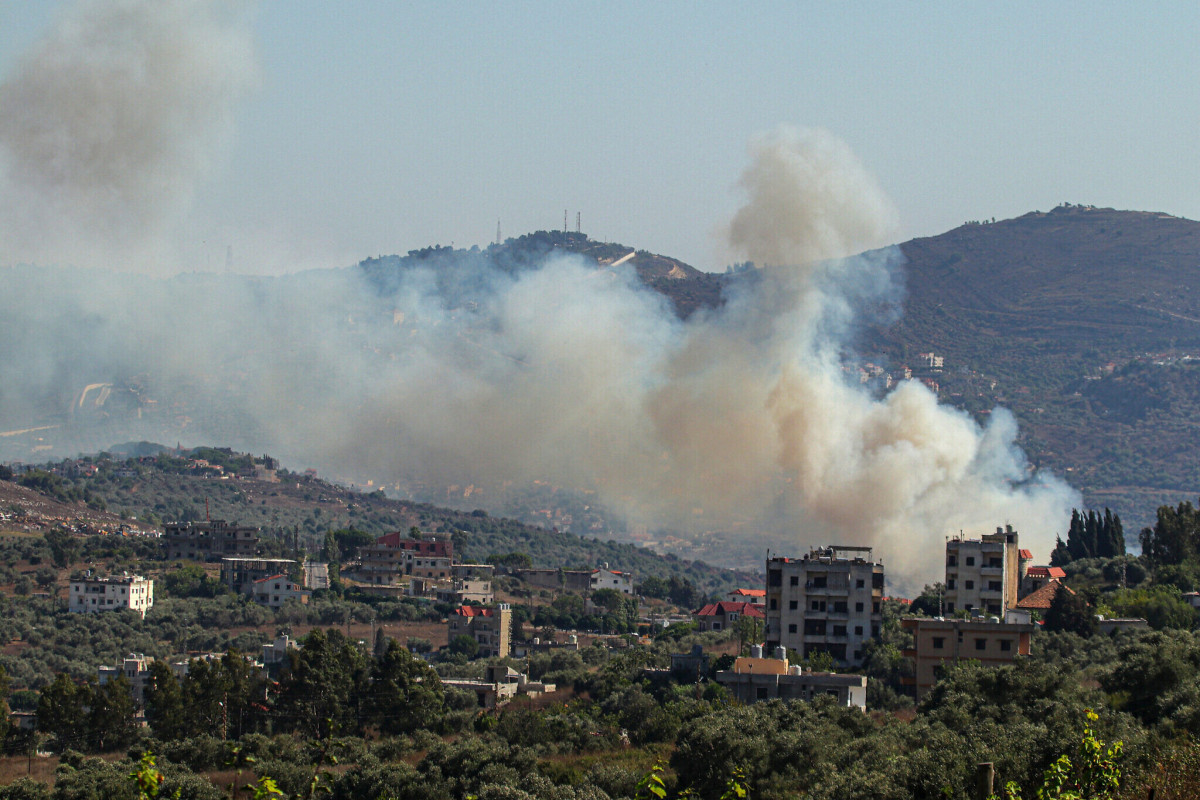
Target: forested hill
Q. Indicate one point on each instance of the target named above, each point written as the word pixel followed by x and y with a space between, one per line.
pixel 299 506
pixel 1086 323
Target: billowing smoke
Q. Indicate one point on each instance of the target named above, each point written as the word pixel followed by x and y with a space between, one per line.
pixel 460 367
pixel 111 121
pixel 445 369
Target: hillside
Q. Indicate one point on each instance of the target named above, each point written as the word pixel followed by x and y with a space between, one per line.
pixel 144 492
pixel 1083 321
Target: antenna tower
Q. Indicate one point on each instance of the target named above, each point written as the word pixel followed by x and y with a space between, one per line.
pixel 577 222
pixel 564 220
pixel 497 231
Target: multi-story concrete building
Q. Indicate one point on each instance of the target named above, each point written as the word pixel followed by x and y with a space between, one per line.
pixel 940 641
pixel 830 600
pixel 490 628
pixel 755 679
pixel 92 595
pixel 983 574
pixel 239 574
pixel 393 561
pixel 276 590
pixel 208 540
pixel 135 668
pixel 612 579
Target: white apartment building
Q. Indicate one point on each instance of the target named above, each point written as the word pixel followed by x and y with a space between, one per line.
pixel 830 600
pixel 982 575
pixel 92 595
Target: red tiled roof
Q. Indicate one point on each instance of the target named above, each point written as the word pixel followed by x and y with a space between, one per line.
pixel 270 578
pixel 1025 555
pixel 473 611
pixel 724 607
pixel 1043 597
pixel 1046 572
pixel 750 592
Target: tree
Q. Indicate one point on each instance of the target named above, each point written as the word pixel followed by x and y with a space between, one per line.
pixel 64 548
pixel 1069 612
pixel 323 686
pixel 464 645
pixel 406 694
pixel 110 723
pixel 59 712
pixel 166 710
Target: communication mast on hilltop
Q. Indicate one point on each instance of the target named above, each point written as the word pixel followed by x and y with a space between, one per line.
pixel 577 222
pixel 497 231
pixel 564 220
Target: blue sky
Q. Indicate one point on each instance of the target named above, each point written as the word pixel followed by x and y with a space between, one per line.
pixel 381 127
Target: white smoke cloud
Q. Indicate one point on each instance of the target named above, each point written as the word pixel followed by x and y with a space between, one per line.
pixel 738 418
pixel 111 121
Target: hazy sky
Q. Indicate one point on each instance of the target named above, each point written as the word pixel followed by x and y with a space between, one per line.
pixel 375 128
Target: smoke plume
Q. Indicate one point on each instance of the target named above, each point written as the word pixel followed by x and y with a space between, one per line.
pixel 108 125
pixel 444 369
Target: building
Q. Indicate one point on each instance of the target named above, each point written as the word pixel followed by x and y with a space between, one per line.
pixel 470 583
pixel 501 684
pixel 568 580
pixel 828 601
pixel 756 597
pixel 941 641
pixel 611 579
pixel 276 590
pixel 1035 578
pixel 755 679
pixel 723 615
pixel 490 627
pixel 983 574
pixel 1043 598
pixel 240 574
pixel 689 667
pixel 208 540
pixel 424 558
pixel 92 595
pixel 135 668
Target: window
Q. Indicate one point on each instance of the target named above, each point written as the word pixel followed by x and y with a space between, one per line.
pixel 970 561
pixel 950 583
pixel 858 630
pixel 993 586
pixel 818 581
pixel 774 604
pixel 858 607
pixel 774 578
pixel 1006 645
pixel 760 693
pixel 793 605
pixel 981 644
pixel 795 580
pixel 860 583
pixel 839 607
pixel 792 628
pixel 839 630
pixel 970 585
pixel 951 561
pixel 939 643
pixel 815 605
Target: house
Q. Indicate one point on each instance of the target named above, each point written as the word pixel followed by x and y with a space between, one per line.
pixel 394 561
pixel 756 597
pixel 831 601
pixel 1035 578
pixel 490 627
pixel 91 595
pixel 240 574
pixel 276 590
pixel 135 668
pixel 983 574
pixel 274 654
pixel 1043 598
pixel 470 583
pixel 723 615
pixel 756 679
pixel 941 641
pixel 689 667
pixel 208 540
pixel 611 579
pixel 500 685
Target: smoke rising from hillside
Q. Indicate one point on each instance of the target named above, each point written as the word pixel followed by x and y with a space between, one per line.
pixel 740 417
pixel 111 121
